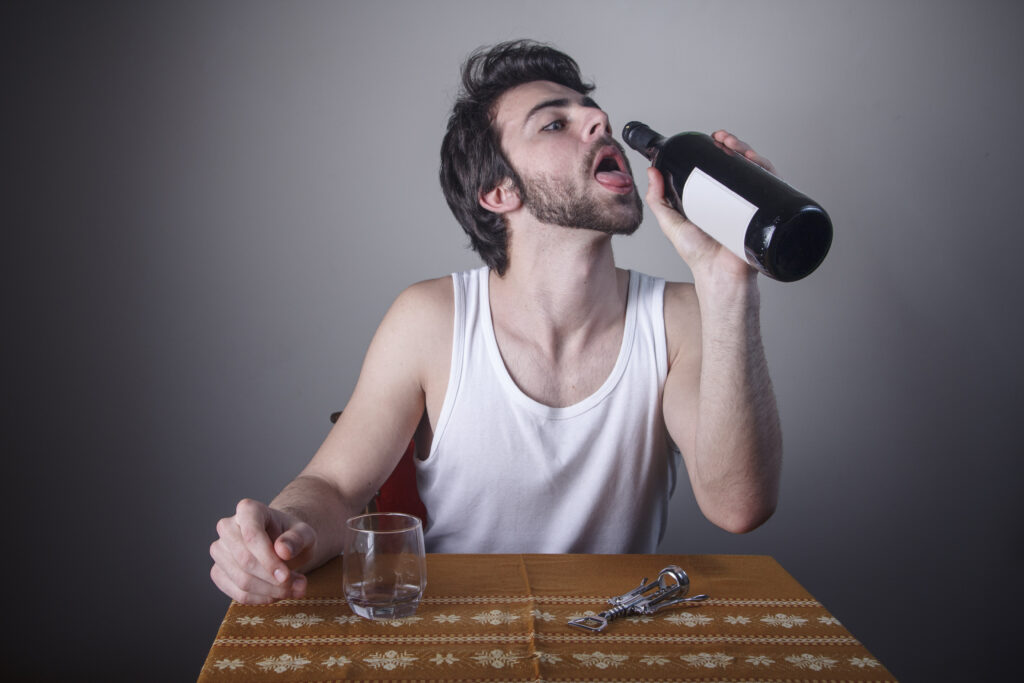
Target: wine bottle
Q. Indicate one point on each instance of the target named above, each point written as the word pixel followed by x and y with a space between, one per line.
pixel 754 214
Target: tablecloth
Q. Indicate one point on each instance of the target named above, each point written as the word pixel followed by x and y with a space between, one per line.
pixel 503 618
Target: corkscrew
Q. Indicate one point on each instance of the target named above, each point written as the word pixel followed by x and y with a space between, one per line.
pixel 669 588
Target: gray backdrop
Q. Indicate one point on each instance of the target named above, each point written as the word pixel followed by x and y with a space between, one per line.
pixel 207 208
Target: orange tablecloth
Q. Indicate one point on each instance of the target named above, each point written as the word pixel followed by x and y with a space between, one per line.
pixel 503 618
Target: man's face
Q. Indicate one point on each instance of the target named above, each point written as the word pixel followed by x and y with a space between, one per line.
pixel 573 173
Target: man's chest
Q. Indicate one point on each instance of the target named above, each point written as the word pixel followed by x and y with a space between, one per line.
pixel 559 377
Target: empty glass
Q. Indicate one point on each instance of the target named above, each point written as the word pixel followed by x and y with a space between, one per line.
pixel 384 565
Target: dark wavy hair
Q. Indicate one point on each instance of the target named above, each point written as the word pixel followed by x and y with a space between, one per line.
pixel 471 158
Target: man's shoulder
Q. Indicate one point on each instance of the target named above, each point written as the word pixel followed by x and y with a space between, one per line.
pixel 418 325
pixel 432 288
pixel 669 284
pixel 680 299
pixel 679 294
pixel 682 317
pixel 426 300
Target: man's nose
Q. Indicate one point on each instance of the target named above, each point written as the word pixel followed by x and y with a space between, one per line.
pixel 596 124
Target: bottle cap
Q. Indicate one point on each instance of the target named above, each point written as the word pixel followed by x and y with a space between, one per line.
pixel 639 136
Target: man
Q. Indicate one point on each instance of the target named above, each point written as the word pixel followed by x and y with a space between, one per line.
pixel 549 391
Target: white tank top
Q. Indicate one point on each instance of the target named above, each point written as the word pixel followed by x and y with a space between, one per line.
pixel 507 474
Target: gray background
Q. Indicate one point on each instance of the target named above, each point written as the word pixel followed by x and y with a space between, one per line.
pixel 207 208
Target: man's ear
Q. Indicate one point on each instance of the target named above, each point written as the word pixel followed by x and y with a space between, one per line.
pixel 502 198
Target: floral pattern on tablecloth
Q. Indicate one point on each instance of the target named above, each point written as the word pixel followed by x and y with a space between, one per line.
pixel 278 648
pixel 481 637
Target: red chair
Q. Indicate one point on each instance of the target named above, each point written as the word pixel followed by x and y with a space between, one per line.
pixel 398 493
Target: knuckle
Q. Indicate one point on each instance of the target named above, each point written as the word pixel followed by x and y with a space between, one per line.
pixel 249 534
pixel 221 580
pixel 223 525
pixel 246 582
pixel 258 599
pixel 250 594
pixel 246 598
pixel 249 508
pixel 250 564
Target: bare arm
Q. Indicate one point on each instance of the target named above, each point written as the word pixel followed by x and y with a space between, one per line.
pixel 719 404
pixel 263 551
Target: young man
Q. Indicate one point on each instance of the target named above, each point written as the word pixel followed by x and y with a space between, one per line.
pixel 549 392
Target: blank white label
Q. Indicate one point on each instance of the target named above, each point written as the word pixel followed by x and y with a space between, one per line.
pixel 717 210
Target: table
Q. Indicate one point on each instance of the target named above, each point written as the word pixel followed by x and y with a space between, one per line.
pixel 503 618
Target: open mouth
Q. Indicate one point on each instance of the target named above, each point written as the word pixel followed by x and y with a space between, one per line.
pixel 611 172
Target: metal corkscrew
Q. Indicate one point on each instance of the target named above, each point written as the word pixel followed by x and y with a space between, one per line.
pixel 669 589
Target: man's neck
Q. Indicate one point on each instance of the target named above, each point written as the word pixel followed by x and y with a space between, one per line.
pixel 561 287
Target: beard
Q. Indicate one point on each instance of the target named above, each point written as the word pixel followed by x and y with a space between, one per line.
pixel 580 204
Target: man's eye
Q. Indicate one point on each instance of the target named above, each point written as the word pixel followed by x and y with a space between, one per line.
pixel 558 124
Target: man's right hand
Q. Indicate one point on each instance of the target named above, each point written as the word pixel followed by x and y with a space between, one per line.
pixel 257 552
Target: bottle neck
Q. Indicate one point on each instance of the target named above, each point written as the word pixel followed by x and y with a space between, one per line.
pixel 643 139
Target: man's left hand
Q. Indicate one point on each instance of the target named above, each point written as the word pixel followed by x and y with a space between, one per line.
pixel 701 252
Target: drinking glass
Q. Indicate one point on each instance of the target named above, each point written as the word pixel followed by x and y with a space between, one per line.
pixel 384 565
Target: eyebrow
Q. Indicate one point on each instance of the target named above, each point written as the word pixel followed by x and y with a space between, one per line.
pixel 557 102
